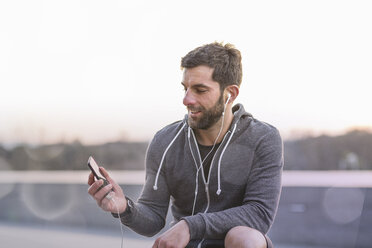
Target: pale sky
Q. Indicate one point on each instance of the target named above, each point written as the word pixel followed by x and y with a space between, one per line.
pixel 100 71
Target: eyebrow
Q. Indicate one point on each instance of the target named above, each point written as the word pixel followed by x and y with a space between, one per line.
pixel 197 85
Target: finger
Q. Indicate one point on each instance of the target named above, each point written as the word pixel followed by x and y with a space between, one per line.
pixel 106 200
pixel 91 179
pixel 116 186
pixel 155 245
pixel 162 243
pixel 110 195
pixel 92 190
pixel 105 174
pixel 101 194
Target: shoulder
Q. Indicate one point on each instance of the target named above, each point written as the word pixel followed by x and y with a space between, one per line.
pixel 261 128
pixel 167 133
pixel 251 130
pixel 164 136
pixel 257 131
pixel 250 125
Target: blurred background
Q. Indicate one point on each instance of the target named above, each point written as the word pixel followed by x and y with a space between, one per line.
pixel 81 78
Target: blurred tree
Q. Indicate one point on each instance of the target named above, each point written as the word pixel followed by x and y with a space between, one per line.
pixel 352 150
pixel 326 152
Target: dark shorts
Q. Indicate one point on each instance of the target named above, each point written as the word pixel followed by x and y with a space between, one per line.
pixel 218 243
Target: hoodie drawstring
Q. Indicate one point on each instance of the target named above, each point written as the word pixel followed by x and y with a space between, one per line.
pixel 197 169
pixel 155 187
pixel 219 162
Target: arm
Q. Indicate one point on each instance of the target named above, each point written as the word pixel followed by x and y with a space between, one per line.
pixel 147 216
pixel 260 200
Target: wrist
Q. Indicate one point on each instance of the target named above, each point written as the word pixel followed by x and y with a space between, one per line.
pixel 196 225
pixel 185 227
pixel 127 211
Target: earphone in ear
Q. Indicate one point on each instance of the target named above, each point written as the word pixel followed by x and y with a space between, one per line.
pixel 228 98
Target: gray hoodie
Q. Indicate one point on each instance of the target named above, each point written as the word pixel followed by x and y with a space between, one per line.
pixel 242 188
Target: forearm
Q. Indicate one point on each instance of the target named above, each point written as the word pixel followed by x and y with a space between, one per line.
pixel 147 216
pixel 216 225
pixel 143 219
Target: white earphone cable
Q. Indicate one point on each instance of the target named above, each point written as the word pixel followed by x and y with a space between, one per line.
pixel 121 227
pixel 202 161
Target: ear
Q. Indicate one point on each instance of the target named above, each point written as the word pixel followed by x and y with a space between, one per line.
pixel 233 90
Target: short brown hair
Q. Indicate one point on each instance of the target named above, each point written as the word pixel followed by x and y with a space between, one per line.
pixel 226 61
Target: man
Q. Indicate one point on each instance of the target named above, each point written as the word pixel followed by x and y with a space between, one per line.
pixel 220 166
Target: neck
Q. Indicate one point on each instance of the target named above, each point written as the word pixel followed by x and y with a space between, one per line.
pixel 207 137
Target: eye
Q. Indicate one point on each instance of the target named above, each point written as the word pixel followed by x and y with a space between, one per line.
pixel 200 91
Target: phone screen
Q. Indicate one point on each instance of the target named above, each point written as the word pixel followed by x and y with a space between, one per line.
pixel 94 168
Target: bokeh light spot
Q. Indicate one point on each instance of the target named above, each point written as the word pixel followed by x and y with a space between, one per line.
pixel 47 201
pixel 343 205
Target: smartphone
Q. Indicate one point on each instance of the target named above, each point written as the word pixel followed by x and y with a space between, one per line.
pixel 95 170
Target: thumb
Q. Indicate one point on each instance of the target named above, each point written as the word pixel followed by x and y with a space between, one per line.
pixel 106 175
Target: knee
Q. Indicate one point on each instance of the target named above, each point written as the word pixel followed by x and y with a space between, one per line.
pixel 244 237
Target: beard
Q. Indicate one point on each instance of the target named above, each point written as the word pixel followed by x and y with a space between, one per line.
pixel 209 117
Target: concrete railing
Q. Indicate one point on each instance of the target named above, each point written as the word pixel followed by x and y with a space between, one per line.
pixel 349 179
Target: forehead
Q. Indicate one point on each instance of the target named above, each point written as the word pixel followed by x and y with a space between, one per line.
pixel 199 75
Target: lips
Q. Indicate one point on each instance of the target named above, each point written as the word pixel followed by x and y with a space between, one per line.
pixel 193 113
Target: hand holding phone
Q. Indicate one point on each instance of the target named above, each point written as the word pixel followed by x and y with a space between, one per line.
pixel 95 170
pixel 117 200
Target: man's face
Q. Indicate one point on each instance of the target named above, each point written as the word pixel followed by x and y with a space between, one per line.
pixel 203 98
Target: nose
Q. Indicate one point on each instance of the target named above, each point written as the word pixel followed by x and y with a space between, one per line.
pixel 189 99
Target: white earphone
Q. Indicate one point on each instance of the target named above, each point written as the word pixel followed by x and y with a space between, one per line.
pixel 228 98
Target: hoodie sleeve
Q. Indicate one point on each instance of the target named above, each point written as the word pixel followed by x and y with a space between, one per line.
pixel 261 197
pixel 148 215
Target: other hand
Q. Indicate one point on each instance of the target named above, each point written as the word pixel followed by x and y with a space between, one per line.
pixel 176 237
